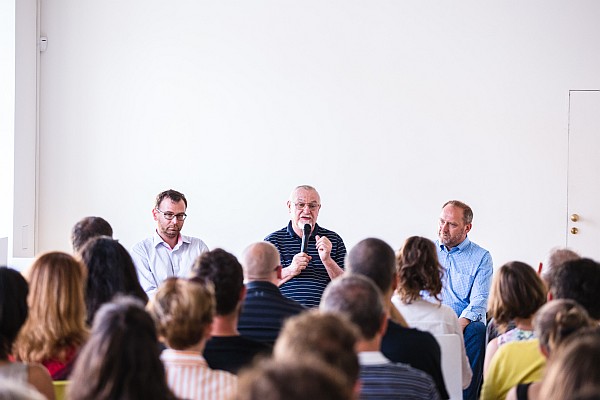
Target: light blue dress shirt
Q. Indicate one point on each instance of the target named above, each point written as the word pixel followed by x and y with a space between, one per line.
pixel 155 261
pixel 467 278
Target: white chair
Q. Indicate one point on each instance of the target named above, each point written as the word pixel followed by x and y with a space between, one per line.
pixel 451 364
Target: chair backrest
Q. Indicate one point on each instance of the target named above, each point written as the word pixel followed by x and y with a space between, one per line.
pixel 451 364
pixel 60 389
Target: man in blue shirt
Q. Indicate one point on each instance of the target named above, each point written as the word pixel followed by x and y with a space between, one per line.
pixel 467 279
pixel 306 274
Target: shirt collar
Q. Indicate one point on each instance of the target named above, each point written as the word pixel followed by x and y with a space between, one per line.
pixel 265 285
pixel 372 358
pixel 461 246
pixel 293 234
pixel 158 240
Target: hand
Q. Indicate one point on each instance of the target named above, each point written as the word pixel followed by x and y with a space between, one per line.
pixel 299 263
pixel 463 322
pixel 324 247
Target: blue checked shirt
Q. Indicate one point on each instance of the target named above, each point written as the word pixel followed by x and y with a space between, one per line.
pixel 467 278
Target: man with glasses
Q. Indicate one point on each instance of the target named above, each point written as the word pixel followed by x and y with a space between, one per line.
pixel 306 274
pixel 167 253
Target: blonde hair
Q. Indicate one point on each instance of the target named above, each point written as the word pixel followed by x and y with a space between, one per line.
pixel 182 311
pixel 56 320
pixel 573 367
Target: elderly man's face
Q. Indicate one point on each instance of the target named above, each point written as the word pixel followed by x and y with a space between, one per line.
pixel 304 207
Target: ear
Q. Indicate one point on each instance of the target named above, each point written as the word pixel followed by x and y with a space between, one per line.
pixel 384 324
pixel 545 351
pixel 155 214
pixel 289 206
pixel 468 228
pixel 549 296
pixel 242 294
pixel 208 331
pixel 278 271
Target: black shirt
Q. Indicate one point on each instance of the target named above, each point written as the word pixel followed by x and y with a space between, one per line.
pixel 417 348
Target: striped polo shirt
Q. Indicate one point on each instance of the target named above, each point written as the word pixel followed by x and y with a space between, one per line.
pixel 382 379
pixel 307 287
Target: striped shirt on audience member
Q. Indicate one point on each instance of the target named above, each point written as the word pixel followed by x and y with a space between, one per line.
pixel 190 377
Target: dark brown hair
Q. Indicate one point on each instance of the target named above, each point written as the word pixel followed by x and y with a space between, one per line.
pixel 418 269
pixel 121 359
pixel 174 195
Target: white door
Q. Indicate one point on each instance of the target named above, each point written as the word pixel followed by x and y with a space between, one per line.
pixel 583 196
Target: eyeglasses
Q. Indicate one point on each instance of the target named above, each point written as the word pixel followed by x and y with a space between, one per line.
pixel 169 215
pixel 311 206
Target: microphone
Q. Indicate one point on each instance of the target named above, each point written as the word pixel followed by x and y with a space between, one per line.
pixel 305 236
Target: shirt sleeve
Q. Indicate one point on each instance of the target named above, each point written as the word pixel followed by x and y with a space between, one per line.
pixel 142 267
pixel 480 290
pixel 340 254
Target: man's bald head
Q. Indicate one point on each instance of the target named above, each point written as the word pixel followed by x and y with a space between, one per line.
pixel 261 262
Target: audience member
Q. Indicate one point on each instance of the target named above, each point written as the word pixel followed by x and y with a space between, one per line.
pixel 13 313
pixel 329 337
pixel 468 272
pixel 573 368
pixel 306 274
pixel 293 380
pixel 264 308
pixel 555 257
pixel 517 293
pixel 360 300
pixel 420 271
pixel 55 330
pixel 227 349
pixel 121 358
pixel 183 312
pixel 88 228
pixel 578 280
pixel 167 253
pixel 110 272
pixel 376 260
pixel 554 323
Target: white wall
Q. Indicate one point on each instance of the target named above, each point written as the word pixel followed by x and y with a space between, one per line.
pixel 389 108
pixel 7 109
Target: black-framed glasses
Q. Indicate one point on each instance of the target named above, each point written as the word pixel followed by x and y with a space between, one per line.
pixel 311 206
pixel 169 215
